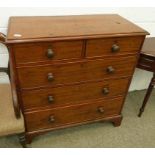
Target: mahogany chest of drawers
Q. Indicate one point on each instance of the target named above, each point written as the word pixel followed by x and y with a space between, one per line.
pixel 71 70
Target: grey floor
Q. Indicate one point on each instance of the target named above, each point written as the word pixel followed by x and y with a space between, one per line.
pixel 133 132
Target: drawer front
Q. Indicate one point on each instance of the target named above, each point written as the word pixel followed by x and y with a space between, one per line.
pixel 74 94
pixel 76 72
pixel 41 52
pixel 146 62
pixel 53 118
pixel 113 46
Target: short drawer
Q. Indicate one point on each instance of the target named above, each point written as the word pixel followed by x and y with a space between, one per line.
pixel 146 62
pixel 73 94
pixel 51 75
pixel 55 118
pixel 41 52
pixel 113 46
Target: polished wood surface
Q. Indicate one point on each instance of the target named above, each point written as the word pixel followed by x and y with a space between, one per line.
pixel 52 118
pixel 60 27
pixel 148 47
pixel 103 47
pixel 73 94
pixel 75 72
pixel 72 70
pixel 38 52
pixel 147 62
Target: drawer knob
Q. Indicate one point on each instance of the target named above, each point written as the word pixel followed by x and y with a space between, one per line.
pixel 50 53
pixel 110 69
pixel 51 119
pixel 115 48
pixel 50 77
pixel 50 99
pixel 100 110
pixel 105 91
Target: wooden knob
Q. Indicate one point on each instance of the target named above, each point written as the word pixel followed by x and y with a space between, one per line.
pixel 115 48
pixel 50 99
pixel 50 77
pixel 50 53
pixel 105 91
pixel 51 119
pixel 100 109
pixel 110 69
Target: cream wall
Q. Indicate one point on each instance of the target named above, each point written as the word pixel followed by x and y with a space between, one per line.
pixel 144 17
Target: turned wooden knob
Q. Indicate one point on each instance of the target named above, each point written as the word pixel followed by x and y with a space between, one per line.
pixel 51 119
pixel 100 109
pixel 50 53
pixel 115 48
pixel 50 77
pixel 110 69
pixel 50 99
pixel 105 91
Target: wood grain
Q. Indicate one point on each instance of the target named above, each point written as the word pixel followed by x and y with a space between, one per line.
pixel 31 28
pixel 148 47
pixel 73 94
pixel 85 48
pixel 72 114
pixel 28 53
pixel 102 47
pixel 74 72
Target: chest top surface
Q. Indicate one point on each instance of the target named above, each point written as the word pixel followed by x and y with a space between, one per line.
pixel 23 29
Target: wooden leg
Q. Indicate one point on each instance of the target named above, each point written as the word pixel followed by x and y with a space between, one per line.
pixel 117 121
pixel 8 71
pixel 150 88
pixel 29 138
pixel 22 140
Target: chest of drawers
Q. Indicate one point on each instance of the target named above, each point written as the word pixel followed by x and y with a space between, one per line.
pixel 71 70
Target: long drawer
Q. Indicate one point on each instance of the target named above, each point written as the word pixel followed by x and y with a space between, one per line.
pixel 51 75
pixel 73 94
pixel 49 51
pixel 54 118
pixel 113 46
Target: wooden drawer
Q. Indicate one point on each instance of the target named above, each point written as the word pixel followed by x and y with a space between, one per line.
pixel 146 62
pixel 92 70
pixel 55 118
pixel 74 94
pixel 113 46
pixel 41 52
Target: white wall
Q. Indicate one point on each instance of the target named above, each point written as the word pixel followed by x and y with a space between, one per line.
pixel 144 17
